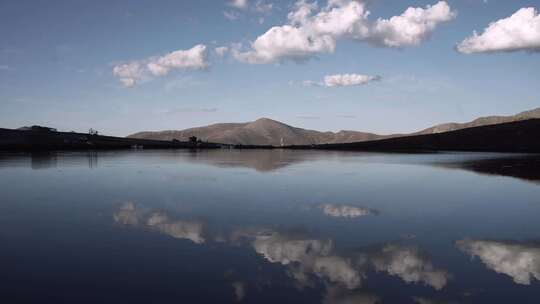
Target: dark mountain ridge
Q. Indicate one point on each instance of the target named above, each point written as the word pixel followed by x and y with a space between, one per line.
pixel 265 131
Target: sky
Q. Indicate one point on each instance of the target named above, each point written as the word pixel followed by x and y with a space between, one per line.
pixel 383 66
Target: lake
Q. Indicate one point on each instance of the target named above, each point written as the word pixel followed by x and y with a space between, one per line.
pixel 269 226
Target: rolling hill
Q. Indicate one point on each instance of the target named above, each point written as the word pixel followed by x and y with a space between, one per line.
pixel 263 131
pixel 266 131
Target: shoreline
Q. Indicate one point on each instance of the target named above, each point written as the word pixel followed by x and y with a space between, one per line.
pixel 514 137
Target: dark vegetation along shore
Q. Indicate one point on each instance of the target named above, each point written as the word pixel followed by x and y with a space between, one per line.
pixel 520 136
pixel 40 138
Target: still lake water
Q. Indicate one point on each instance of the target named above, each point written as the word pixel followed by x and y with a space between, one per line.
pixel 269 227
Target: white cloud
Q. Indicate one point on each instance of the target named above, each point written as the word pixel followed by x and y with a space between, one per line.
pixel 312 30
pixel 131 73
pixel 345 211
pixel 259 7
pixel 342 80
pixel 517 260
pixel 285 42
pixel 412 27
pixel 194 58
pixel 263 7
pixel 407 264
pixel 231 15
pixel 519 32
pixel 221 51
pixel 240 4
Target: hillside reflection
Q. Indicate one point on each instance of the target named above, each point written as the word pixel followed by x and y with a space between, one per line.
pixel 524 167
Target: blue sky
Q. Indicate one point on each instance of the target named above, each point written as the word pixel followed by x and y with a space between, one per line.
pixel 57 60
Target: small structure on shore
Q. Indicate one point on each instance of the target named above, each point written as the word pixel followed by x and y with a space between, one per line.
pixel 37 128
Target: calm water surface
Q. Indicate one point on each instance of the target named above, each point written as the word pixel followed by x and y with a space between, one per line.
pixel 269 227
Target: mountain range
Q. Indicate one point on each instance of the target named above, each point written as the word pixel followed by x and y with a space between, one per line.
pixel 265 131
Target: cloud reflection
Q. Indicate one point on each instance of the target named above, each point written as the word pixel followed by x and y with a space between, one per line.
pixel 128 214
pixel 521 261
pixel 189 230
pixel 409 265
pixel 335 295
pixel 307 259
pixel 346 211
pixel 239 290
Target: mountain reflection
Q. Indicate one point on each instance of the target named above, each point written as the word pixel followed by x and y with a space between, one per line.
pixel 520 261
pixel 43 160
pixel 525 167
pixel 260 160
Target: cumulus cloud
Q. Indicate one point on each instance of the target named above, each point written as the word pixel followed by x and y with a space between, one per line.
pixel 231 15
pixel 412 27
pixel 520 261
pixel 131 73
pixel 285 42
pixel 313 30
pixel 519 32
pixel 342 80
pixel 263 7
pixel 407 264
pixel 345 211
pixel 221 51
pixel 259 7
pixel 240 4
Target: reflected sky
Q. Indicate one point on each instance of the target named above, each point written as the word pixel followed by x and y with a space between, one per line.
pixel 300 226
pixel 518 260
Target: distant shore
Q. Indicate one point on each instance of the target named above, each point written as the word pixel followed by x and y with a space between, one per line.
pixel 514 137
pixel 43 139
pixel 521 136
